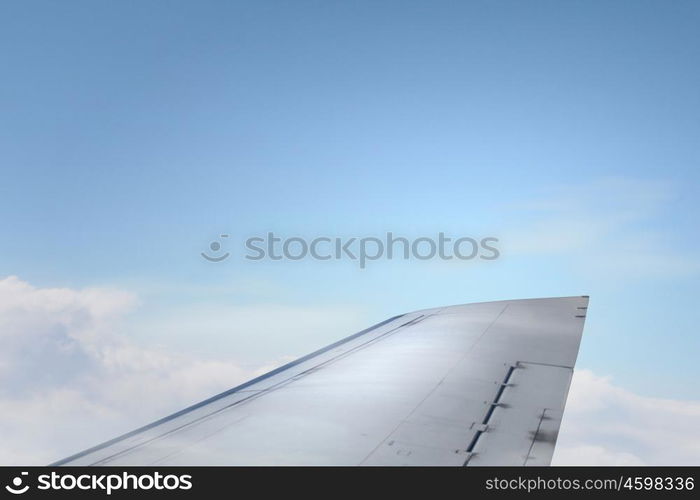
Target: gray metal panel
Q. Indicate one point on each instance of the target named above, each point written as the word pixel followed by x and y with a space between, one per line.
pixel 475 384
pixel 520 430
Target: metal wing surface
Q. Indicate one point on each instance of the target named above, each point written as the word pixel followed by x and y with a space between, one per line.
pixel 475 384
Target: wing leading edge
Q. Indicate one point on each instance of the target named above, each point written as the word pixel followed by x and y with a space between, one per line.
pixel 475 384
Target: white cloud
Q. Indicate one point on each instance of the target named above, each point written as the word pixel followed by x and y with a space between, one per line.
pixel 608 425
pixel 69 380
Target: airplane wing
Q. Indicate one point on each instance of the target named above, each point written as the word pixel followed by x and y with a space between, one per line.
pixel 475 384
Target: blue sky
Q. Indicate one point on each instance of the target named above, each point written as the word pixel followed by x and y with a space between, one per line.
pixel 133 133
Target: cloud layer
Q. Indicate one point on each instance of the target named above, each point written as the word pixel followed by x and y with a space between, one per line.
pixel 69 380
pixel 607 425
